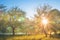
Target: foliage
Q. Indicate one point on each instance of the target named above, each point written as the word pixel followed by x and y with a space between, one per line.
pixel 14 20
pixel 53 16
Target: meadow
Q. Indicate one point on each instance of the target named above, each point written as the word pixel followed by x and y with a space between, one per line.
pixel 28 37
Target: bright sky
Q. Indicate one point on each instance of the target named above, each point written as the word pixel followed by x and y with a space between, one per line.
pixel 29 6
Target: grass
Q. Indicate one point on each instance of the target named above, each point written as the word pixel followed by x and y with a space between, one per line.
pixel 27 37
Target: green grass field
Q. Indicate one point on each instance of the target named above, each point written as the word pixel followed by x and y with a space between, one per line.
pixel 28 37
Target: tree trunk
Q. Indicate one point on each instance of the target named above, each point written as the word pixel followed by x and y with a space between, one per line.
pixel 13 30
pixel 44 31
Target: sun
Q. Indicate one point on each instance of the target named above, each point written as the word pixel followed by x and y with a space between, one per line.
pixel 44 21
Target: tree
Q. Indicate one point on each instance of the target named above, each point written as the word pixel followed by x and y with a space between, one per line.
pixel 2 21
pixel 54 16
pixel 29 26
pixel 15 16
pixel 2 26
pixel 41 12
pixel 2 8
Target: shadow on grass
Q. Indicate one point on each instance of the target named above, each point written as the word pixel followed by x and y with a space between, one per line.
pixel 9 37
pixel 18 37
pixel 5 37
pixel 55 36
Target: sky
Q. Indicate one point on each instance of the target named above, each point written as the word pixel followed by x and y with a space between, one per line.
pixel 30 6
